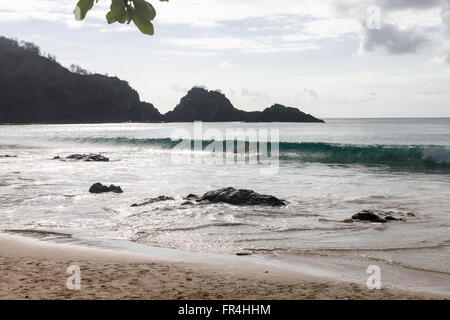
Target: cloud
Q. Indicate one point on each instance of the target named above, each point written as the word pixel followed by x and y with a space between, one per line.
pixel 285 25
pixel 403 25
pixel 311 92
pixel 360 6
pixel 184 53
pixel 262 26
pixel 408 4
pixel 227 65
pixel 178 88
pixel 205 24
pixel 267 44
pixel 445 15
pixel 258 97
pixel 444 57
pixel 219 11
pixel 60 11
pixel 321 29
pixel 393 39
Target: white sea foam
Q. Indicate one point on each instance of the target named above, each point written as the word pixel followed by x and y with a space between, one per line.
pixel 38 193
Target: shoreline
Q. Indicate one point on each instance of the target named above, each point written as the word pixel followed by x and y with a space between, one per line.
pixel 251 122
pixel 34 269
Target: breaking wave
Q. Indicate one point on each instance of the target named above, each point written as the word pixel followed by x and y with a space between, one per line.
pixel 399 155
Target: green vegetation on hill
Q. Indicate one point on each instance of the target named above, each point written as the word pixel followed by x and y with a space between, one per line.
pixel 201 104
pixel 36 89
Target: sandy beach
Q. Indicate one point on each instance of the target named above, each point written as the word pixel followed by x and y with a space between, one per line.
pixel 33 269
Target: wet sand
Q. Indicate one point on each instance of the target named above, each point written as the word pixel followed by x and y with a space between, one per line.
pixel 33 269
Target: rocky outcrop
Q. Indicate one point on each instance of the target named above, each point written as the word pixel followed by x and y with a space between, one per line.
pixel 100 188
pixel 201 104
pixel 152 200
pixel 37 89
pixel 8 156
pixel 280 113
pixel 377 216
pixel 84 157
pixel 241 197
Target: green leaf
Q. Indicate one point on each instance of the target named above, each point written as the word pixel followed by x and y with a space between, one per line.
pixel 145 9
pixel 140 12
pixel 118 10
pixel 82 8
pixel 143 24
pixel 129 14
pixel 110 18
pixel 151 9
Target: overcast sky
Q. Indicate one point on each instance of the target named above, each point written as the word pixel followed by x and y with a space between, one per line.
pixel 328 58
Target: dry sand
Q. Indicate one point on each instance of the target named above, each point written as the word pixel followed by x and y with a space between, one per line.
pixel 32 269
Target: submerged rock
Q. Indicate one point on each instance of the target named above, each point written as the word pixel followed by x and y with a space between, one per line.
pixel 192 196
pixel 375 216
pixel 242 197
pixel 152 200
pixel 88 157
pixel 100 188
pixel 241 254
pixel 368 216
pixel 8 156
pixel 390 218
pixel 84 157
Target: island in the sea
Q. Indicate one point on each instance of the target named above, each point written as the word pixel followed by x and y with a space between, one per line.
pixel 35 88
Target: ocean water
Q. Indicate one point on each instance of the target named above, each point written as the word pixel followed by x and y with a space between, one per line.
pixel 326 172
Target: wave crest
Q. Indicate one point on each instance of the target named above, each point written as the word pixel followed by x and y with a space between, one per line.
pixel 400 155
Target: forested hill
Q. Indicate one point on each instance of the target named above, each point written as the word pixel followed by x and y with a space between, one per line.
pixel 201 104
pixel 37 89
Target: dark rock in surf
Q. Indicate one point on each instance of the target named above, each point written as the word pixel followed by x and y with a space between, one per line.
pixel 152 200
pixel 375 216
pixel 8 156
pixel 391 218
pixel 96 158
pixel 100 188
pixel 242 197
pixel 366 215
pixel 192 196
pixel 242 254
pixel 87 157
